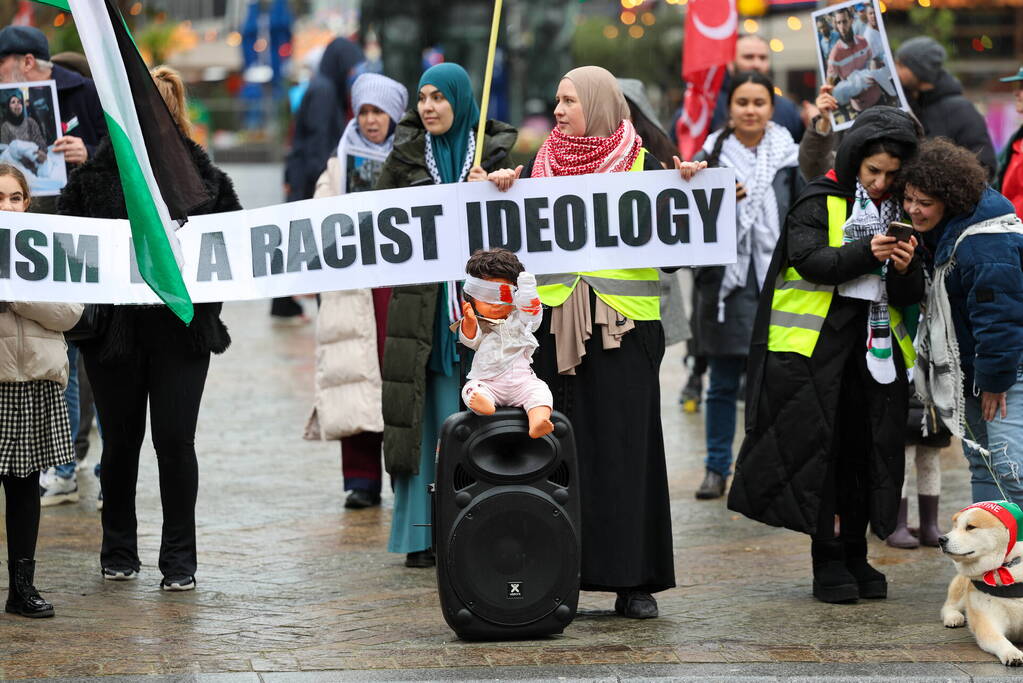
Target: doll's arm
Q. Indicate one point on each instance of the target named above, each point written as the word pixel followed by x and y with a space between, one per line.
pixel 469 331
pixel 527 301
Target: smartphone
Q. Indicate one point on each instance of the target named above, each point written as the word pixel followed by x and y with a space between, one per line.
pixel 900 231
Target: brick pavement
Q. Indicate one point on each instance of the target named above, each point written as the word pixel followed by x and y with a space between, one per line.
pixel 289 581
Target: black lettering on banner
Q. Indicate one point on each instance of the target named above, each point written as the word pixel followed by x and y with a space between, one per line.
pixel 504 226
pixel 37 268
pixel 213 258
pixel 334 226
pixel 709 211
pixel 266 250
pixel 474 226
pixel 535 224
pixel 570 234
pixel 387 223
pixel 634 223
pixel 604 238
pixel 302 249
pixel 367 238
pixel 427 216
pixel 5 253
pixel 673 228
pixel 84 258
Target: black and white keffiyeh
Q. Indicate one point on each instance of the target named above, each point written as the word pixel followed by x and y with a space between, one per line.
pixel 758 224
pixel 869 219
pixel 431 163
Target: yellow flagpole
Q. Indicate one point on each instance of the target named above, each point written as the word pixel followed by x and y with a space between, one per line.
pixel 485 100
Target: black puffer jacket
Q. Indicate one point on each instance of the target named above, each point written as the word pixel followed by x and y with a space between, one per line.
pixel 945 112
pixel 94 190
pixel 792 401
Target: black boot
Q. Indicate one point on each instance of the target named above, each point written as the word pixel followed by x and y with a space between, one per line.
pixel 713 486
pixel 832 582
pixel 22 597
pixel 871 583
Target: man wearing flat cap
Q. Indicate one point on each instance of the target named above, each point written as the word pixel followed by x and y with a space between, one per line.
pixel 25 56
pixel 1009 180
pixel 936 97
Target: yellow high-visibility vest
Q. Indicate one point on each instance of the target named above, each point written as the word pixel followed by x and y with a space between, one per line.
pixel 799 307
pixel 633 292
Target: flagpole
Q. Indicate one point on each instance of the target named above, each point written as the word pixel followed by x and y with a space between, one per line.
pixel 485 100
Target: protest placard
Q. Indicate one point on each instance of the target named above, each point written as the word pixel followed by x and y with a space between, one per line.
pixel 854 56
pixel 386 238
pixel 29 125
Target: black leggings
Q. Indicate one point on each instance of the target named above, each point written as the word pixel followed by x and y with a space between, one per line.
pixel 22 517
pixel 173 383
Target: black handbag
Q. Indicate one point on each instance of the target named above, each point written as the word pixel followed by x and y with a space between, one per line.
pixel 92 325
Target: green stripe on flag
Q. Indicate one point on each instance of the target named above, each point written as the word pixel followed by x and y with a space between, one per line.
pixel 59 4
pixel 155 257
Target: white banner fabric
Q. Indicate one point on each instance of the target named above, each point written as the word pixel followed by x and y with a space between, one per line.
pixel 385 238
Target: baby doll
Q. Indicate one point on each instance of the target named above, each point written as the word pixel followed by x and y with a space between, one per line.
pixel 499 322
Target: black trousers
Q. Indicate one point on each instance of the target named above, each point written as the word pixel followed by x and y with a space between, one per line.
pixel 173 383
pixel 22 495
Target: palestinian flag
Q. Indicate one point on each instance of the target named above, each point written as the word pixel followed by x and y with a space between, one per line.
pixel 161 183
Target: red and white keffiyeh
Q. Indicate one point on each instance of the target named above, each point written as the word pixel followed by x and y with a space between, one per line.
pixel 563 154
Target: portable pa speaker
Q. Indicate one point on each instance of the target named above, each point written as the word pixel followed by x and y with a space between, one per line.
pixel 506 526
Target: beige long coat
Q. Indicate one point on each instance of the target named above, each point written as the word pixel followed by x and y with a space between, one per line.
pixel 348 384
pixel 32 343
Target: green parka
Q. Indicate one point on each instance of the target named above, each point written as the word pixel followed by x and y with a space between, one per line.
pixel 412 308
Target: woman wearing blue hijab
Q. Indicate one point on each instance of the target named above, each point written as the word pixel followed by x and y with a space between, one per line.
pixel 420 371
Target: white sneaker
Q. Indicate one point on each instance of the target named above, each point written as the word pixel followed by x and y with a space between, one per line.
pixel 54 489
pixel 181 583
pixel 119 574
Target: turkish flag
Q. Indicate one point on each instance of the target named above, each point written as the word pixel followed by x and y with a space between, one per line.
pixel 712 27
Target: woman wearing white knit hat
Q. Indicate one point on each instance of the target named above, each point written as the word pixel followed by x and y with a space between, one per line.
pixel 350 326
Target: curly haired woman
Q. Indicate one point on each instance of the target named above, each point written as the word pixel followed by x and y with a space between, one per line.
pixel 973 328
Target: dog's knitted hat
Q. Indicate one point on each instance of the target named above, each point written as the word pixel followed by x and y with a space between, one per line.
pixel 1011 516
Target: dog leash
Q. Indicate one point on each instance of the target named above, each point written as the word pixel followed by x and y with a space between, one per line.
pixel 985 455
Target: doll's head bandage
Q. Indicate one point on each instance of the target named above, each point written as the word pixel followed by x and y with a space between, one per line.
pixel 497 293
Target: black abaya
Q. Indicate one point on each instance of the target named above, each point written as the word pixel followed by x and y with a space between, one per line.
pixel 613 402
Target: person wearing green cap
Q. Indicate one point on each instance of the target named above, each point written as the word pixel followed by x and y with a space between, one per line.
pixel 1009 180
pixel 420 370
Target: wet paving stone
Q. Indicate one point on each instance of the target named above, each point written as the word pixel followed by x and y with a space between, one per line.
pixel 290 581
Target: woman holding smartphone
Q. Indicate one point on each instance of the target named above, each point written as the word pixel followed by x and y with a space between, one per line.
pixel 827 387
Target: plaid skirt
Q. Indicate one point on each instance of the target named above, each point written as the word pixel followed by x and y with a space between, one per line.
pixel 34 430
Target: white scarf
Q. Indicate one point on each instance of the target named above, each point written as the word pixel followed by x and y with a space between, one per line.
pixel 758 224
pixel 868 220
pixel 939 375
pixel 354 143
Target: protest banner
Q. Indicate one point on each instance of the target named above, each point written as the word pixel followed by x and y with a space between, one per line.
pixel 854 56
pixel 385 238
pixel 29 125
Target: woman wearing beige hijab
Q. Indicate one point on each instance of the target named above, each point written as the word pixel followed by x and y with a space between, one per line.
pixel 601 344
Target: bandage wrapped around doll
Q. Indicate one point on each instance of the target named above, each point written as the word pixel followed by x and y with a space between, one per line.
pixel 499 324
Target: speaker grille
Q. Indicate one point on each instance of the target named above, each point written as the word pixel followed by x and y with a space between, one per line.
pixel 560 476
pixel 461 479
pixel 513 557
